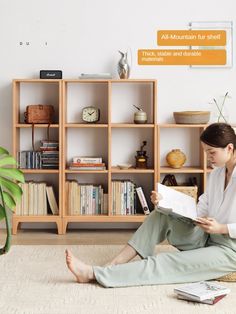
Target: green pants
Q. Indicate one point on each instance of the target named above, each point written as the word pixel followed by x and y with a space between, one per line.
pixel 200 257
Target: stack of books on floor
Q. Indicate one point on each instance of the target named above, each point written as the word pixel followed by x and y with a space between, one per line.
pixel 87 163
pixel 34 199
pixel 123 197
pixel 29 159
pixel 85 199
pixel 49 154
pixel 204 292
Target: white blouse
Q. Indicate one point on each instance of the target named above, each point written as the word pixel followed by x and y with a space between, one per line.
pixel 220 203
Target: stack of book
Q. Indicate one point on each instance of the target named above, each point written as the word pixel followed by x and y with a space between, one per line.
pixel 87 163
pixel 202 291
pixel 34 199
pixel 123 197
pixel 28 159
pixel 85 199
pixel 49 154
pixel 96 76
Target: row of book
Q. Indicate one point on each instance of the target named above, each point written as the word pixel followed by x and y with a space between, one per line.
pixel 46 158
pixel 87 163
pixel 36 198
pixel 88 199
pixel 85 199
pixel 123 198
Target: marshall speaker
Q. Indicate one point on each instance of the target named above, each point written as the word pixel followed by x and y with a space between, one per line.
pixel 51 74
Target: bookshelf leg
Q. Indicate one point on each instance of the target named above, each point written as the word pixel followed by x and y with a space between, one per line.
pixel 14 227
pixel 59 227
pixel 64 226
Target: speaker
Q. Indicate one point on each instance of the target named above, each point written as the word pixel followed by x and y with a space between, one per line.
pixel 50 74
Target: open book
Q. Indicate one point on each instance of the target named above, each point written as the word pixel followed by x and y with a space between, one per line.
pixel 177 204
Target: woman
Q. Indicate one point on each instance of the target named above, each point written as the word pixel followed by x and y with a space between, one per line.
pixel 207 250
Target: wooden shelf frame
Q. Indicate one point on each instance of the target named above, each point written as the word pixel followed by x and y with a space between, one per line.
pixel 17 126
pixel 63 126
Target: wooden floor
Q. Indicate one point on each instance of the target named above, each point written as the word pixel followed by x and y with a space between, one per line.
pixel 48 236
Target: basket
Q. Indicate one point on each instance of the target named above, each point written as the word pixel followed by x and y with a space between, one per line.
pixel 189 190
pixel 192 117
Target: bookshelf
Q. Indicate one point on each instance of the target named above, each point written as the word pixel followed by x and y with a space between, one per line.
pixel 25 92
pixel 104 138
pixel 116 120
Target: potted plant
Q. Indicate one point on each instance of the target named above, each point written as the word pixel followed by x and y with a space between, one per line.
pixel 10 191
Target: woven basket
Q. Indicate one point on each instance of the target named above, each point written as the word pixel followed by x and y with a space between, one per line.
pixel 189 190
pixel 192 191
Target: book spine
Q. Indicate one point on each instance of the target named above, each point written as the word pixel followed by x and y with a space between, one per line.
pixel 143 201
pixel 86 160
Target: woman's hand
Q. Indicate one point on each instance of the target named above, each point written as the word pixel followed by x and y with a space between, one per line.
pixel 210 225
pixel 155 197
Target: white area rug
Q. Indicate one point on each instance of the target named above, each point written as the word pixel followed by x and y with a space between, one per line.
pixel 34 279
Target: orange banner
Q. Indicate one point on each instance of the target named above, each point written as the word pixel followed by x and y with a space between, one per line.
pixel 181 57
pixel 191 38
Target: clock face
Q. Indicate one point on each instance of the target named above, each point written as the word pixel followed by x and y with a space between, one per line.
pixel 90 114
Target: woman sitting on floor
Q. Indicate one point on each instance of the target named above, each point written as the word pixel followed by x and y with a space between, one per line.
pixel 207 250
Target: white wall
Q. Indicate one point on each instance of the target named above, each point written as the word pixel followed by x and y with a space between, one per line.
pixel 84 36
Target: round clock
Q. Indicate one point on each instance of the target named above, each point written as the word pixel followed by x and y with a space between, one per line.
pixel 90 114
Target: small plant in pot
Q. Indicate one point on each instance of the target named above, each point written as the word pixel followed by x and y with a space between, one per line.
pixel 10 192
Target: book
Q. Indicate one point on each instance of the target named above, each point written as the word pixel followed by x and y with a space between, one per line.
pixel 207 301
pixel 177 204
pixel 81 159
pixel 80 164
pixel 95 76
pixel 52 200
pixel 142 200
pixel 202 290
pixel 87 168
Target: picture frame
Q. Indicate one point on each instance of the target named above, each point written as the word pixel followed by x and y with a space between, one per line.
pixel 221 25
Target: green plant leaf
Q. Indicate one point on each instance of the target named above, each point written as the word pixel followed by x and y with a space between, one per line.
pixel 3 151
pixel 9 201
pixel 8 160
pixel 12 173
pixel 12 187
pixel 2 212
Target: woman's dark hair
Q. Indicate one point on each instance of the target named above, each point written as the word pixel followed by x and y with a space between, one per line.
pixel 219 135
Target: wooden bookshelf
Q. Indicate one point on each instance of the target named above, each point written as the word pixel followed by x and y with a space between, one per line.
pixel 106 134
pixel 20 89
pixel 108 126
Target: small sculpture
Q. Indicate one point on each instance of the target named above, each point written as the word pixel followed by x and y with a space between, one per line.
pixel 123 66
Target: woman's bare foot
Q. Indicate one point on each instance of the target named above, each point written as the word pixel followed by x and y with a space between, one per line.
pixel 82 272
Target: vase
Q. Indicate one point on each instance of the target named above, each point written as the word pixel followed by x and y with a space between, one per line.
pixel 175 158
pixel 123 66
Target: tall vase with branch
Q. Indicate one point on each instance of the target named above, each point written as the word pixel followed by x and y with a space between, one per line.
pixel 222 114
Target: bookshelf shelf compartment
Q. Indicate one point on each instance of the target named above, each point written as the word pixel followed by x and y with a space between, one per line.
pixel 24 125
pixel 86 171
pixel 130 125
pixel 126 94
pixel 181 170
pixel 47 171
pixel 83 125
pixel 131 170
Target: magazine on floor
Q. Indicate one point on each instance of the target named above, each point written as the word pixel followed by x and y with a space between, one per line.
pixel 202 290
pixel 177 204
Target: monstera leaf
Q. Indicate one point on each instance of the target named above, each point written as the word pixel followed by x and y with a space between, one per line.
pixel 10 192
